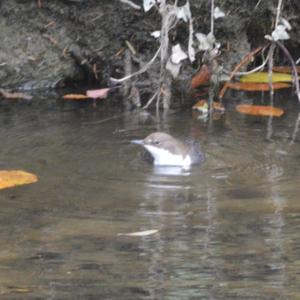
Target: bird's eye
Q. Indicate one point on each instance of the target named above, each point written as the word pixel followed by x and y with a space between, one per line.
pixel 156 142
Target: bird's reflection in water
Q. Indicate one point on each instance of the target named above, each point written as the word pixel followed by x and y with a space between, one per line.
pixel 171 170
pixel 163 179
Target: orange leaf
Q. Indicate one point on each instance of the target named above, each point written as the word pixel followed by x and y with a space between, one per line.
pixel 9 95
pixel 259 110
pixel 15 177
pixel 254 86
pixel 201 78
pixel 75 97
pixel 285 69
pixel 218 106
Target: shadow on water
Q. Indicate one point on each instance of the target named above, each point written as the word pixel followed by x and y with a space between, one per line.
pixel 226 230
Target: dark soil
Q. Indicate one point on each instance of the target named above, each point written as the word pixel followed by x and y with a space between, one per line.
pixel 68 41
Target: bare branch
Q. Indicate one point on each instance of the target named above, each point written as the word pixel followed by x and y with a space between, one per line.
pixel 260 67
pixel 296 129
pixel 151 99
pixel 278 13
pixel 142 70
pixel 294 67
pixel 130 3
pixel 212 20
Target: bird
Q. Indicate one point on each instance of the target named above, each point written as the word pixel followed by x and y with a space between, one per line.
pixel 167 150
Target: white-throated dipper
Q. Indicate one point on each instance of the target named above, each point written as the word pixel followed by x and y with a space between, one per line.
pixel 169 151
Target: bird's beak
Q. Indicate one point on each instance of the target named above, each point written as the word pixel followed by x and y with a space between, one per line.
pixel 138 142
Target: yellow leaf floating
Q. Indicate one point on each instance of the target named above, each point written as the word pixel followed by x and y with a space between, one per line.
pixel 256 86
pixel 259 110
pixel 263 77
pixel 13 178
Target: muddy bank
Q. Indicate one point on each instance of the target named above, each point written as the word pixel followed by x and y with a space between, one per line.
pixel 69 41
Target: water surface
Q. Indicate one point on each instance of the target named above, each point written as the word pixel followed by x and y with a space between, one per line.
pixel 226 230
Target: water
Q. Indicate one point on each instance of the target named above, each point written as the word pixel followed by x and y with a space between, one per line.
pixel 226 230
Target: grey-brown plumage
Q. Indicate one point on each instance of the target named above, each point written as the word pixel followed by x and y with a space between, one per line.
pixel 167 150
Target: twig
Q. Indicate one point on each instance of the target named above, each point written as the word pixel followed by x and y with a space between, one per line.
pixel 257 4
pixel 245 60
pixel 49 24
pixel 158 102
pixel 130 3
pixel 278 13
pixel 95 71
pixel 151 99
pixel 169 20
pixel 294 67
pixel 271 53
pixel 255 69
pixel 127 71
pixel 97 17
pixel 296 129
pixel 270 77
pixel 142 70
pixel 191 50
pixel 212 10
pixel 270 70
pixel 130 47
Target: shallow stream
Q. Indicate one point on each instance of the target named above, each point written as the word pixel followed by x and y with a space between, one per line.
pixel 228 229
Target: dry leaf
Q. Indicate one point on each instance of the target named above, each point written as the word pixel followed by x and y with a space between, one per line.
pixel 75 97
pixel 263 77
pixel 218 13
pixel 15 177
pixel 101 93
pixel 218 106
pixel 201 78
pixel 178 54
pixel 280 33
pixel 202 105
pixel 259 110
pixel 285 69
pixel 9 95
pixel 139 233
pixel 174 69
pixel 255 86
